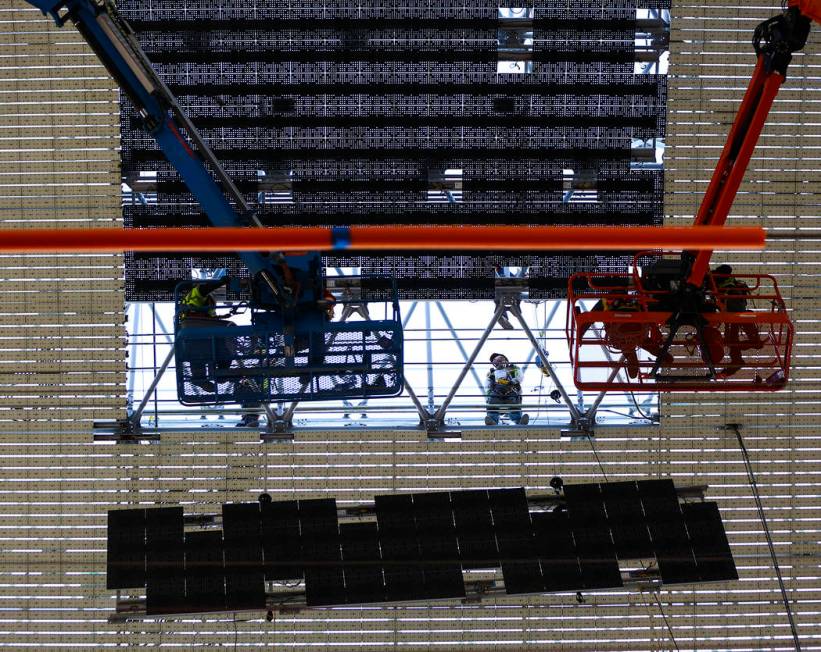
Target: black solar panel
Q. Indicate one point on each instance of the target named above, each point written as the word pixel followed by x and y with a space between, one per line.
pixel 432 512
pixel 241 521
pixel 244 590
pixel 668 532
pixel 164 542
pixel 520 561
pixel 418 547
pixel 474 529
pixel 658 498
pixel 164 528
pixel 557 552
pixel 404 578
pixel 244 579
pixel 442 582
pixel 523 577
pixel 708 540
pixel 318 515
pixel 281 541
pixel 361 113
pixel 324 586
pixel 438 546
pixel 626 520
pixel 165 561
pixel 585 505
pixel 165 594
pixel 591 533
pixel 204 571
pixel 362 563
pixel 321 553
pixel 515 540
pixel 394 514
pixel 125 561
pixel 509 509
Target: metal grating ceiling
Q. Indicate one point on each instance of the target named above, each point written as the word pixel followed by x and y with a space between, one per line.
pixel 348 113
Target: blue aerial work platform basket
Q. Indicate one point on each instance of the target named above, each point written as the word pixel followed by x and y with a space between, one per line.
pixel 220 362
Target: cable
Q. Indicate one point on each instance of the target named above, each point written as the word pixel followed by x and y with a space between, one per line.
pixel 754 486
pixel 664 617
pixel 661 609
pixel 544 346
pixel 639 410
pixel 624 414
pixel 644 603
pixel 601 467
pixel 236 632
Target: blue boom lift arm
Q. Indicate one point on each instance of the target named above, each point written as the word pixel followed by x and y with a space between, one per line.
pixel 289 308
pixel 116 46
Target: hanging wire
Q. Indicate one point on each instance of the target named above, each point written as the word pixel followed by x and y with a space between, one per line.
pixel 236 631
pixel 639 410
pixel 657 596
pixel 595 452
pixel 736 428
pixel 621 414
pixel 664 617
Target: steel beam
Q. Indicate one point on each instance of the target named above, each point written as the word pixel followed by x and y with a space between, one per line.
pixel 439 415
pixel 517 312
pixel 137 415
pixel 457 340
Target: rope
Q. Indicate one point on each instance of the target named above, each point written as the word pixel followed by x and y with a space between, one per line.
pixel 601 467
pixel 754 486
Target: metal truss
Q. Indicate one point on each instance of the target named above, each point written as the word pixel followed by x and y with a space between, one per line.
pixel 432 414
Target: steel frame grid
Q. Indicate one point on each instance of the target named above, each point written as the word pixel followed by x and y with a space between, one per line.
pixel 432 409
pixel 361 161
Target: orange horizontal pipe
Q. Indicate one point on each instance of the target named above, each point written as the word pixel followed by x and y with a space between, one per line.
pixel 393 238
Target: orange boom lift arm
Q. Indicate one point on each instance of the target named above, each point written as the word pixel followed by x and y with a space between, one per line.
pixel 673 309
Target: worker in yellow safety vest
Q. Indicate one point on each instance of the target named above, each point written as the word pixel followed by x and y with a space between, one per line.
pixel 198 302
pixel 197 309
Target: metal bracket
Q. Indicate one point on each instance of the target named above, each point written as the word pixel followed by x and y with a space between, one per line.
pixel 121 431
pixel 279 429
pixel 432 424
pixel 581 426
pixel 477 591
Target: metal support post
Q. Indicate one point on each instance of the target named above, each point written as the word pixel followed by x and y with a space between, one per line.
pixel 135 328
pixel 270 417
pixel 134 419
pixel 517 312
pixel 458 342
pixel 590 413
pixel 424 415
pixel 439 416
pixel 429 352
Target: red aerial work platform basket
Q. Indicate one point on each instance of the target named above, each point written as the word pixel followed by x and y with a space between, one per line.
pixel 619 332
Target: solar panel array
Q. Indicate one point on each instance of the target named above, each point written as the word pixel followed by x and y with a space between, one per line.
pixel 416 549
pixel 415 113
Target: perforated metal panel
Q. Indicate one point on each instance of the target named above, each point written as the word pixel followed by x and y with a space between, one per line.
pixel 413 113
